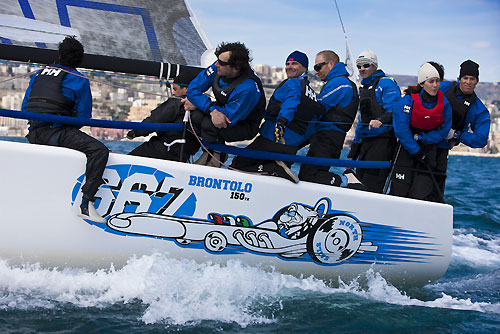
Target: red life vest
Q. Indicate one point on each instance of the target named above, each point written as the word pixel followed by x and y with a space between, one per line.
pixel 427 119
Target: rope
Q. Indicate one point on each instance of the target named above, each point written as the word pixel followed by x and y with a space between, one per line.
pixel 18 77
pixel 266 155
pixel 204 148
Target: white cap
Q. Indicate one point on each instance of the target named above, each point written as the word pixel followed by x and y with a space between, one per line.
pixel 367 56
pixel 426 72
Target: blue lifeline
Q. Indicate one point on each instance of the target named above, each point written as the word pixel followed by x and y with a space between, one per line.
pixel 337 92
pixel 74 87
pixel 241 102
pixel 401 122
pixel 289 94
pixel 477 120
pixel 387 94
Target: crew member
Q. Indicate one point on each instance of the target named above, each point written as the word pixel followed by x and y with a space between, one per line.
pixel 240 102
pixel 63 90
pixel 289 112
pixel 167 144
pixel 340 98
pixel 421 120
pixel 374 139
pixel 471 119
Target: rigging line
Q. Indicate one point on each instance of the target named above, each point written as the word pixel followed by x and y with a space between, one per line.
pixel 204 148
pixel 18 77
pixel 340 17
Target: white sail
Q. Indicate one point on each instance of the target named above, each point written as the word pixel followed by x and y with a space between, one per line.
pixel 29 30
pixel 155 30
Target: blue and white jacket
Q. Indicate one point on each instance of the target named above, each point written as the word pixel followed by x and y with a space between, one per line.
pixel 241 102
pixel 387 94
pixel 336 92
pixel 289 94
pixel 477 122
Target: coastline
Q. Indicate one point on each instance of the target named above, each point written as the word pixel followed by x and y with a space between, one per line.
pixel 474 154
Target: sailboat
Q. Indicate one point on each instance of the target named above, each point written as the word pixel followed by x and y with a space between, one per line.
pixel 186 210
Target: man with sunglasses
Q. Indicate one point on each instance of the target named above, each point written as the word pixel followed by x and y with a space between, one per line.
pixel 339 97
pixel 288 115
pixel 240 102
pixel 374 139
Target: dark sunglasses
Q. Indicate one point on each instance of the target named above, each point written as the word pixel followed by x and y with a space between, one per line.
pixel 363 66
pixel 319 66
pixel 222 63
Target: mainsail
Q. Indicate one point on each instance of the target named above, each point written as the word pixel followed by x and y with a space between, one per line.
pixel 146 30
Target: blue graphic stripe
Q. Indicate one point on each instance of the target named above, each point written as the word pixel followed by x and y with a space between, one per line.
pixel 62 8
pixel 5 41
pixel 28 13
pixel 385 228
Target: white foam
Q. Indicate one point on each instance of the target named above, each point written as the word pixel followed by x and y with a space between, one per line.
pixel 175 291
pixel 380 290
pixel 474 251
pixel 183 292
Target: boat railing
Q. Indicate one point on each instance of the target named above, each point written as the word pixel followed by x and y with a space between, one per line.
pixel 248 153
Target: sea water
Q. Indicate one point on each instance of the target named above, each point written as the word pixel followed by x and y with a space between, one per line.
pixel 157 294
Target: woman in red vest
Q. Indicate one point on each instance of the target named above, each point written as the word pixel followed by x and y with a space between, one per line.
pixel 421 120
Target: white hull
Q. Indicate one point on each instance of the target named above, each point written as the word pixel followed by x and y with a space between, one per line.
pixel 197 212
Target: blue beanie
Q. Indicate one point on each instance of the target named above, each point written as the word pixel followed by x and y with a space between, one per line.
pixel 299 57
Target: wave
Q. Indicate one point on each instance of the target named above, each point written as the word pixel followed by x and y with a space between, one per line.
pixel 182 292
pixel 475 251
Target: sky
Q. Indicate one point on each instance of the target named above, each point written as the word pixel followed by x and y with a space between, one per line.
pixel 404 34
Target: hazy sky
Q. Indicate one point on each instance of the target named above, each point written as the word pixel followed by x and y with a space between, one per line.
pixel 404 34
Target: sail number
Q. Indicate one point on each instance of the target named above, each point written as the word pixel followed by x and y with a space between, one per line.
pixel 238 195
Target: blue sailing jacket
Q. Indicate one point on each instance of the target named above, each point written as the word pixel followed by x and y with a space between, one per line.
pixel 337 92
pixel 241 102
pixel 73 87
pixel 477 123
pixel 289 94
pixel 387 94
pixel 401 121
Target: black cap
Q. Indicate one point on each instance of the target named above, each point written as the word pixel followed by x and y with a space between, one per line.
pixel 469 67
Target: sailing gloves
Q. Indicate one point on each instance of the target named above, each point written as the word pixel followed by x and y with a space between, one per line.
pixel 279 132
pixel 421 156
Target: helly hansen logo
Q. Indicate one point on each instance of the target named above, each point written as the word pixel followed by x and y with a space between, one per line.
pixel 400 176
pixel 310 93
pixel 209 71
pixel 406 109
pixel 223 93
pixel 467 103
pixel 51 71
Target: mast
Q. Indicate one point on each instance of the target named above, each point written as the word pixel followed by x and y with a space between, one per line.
pixel 349 59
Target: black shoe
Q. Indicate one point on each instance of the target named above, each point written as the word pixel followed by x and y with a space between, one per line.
pixel 352 180
pixel 282 170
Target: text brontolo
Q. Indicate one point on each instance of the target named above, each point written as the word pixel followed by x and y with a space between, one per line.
pixel 209 182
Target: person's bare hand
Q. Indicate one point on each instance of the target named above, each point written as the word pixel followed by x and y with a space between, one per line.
pixel 219 119
pixel 374 123
pixel 187 104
